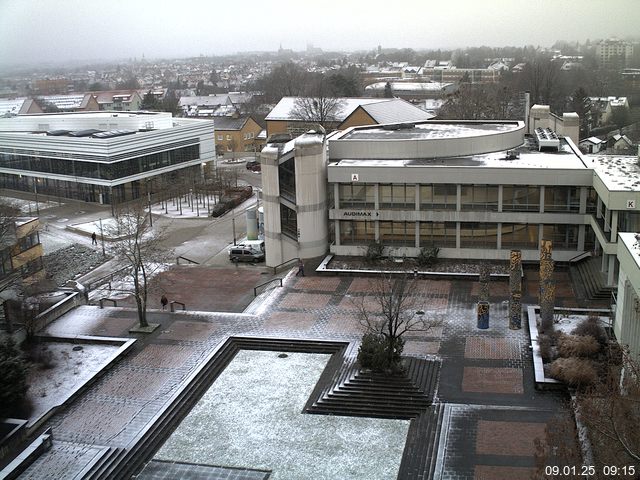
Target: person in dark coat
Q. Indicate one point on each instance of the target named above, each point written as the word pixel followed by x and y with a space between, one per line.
pixel 300 267
pixel 94 239
pixel 164 301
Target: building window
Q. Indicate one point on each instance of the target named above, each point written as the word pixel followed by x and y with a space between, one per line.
pixel 478 235
pixel 220 137
pixel 437 234
pixel 438 197
pixel 479 197
pixel 228 137
pixel 289 222
pixel 520 198
pixel 397 196
pixel 357 232
pixel 519 235
pixel 397 233
pixel 287 179
pixel 561 199
pixel 229 149
pixel 357 195
pixel 563 237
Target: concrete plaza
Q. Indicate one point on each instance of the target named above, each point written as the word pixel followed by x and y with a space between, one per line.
pixel 492 412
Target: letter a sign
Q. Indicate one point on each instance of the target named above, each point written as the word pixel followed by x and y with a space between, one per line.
pixel 354 177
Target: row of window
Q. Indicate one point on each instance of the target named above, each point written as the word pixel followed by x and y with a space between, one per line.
pixel 472 197
pixel 105 171
pixel 472 234
pixel 246 136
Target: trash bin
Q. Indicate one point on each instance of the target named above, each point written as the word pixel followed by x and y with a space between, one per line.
pixel 483 315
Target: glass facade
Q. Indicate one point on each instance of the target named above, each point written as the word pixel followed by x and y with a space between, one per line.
pixel 561 199
pixel 520 198
pixel 521 235
pixel 437 234
pixel 357 232
pixel 289 222
pixel 477 234
pixel 479 197
pixel 438 197
pixel 359 196
pixel 287 180
pixel 100 170
pixel 401 234
pixel 397 197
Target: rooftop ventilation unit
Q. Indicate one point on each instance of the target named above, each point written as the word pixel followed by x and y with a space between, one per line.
pixel 547 138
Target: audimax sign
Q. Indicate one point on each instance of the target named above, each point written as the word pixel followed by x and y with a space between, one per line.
pixel 360 214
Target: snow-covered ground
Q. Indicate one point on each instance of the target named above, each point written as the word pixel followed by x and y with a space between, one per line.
pixel 51 387
pixel 251 417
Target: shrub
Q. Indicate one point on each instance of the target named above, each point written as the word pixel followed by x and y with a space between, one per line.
pixel 545 342
pixel 373 353
pixel 13 381
pixel 575 372
pixel 591 326
pixel 577 346
pixel 375 251
pixel 427 256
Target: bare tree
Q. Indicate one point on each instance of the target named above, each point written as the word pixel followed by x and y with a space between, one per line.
pixel 395 310
pixel 139 248
pixel 319 106
pixel 611 412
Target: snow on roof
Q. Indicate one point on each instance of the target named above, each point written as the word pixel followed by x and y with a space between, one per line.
pixel 284 109
pixel 409 86
pixel 617 172
pixel 594 140
pixel 12 106
pixel 397 110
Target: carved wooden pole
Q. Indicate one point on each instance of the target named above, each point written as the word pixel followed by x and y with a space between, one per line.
pixel 485 277
pixel 547 286
pixel 515 289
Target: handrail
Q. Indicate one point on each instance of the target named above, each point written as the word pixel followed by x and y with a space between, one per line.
pixel 102 300
pixel 580 256
pixel 255 289
pixel 187 259
pixel 173 302
pixel 101 280
pixel 275 269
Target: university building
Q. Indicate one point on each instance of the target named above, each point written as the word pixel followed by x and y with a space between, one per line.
pixel 104 157
pixel 474 189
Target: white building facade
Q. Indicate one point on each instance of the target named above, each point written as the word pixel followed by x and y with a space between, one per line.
pixel 104 157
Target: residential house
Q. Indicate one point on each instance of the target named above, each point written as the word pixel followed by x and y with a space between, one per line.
pixel 592 145
pixel 119 100
pixel 18 106
pixel 237 135
pixel 285 117
pixel 71 103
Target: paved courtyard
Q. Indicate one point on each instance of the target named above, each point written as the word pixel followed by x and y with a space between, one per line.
pixel 492 412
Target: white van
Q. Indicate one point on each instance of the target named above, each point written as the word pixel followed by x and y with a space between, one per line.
pixel 245 253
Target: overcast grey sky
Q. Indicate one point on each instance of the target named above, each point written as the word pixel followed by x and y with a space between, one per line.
pixel 58 30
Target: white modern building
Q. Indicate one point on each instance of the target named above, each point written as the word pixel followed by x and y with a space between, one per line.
pixel 104 157
pixel 474 189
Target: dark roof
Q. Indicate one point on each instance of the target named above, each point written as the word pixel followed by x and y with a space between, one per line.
pixel 229 123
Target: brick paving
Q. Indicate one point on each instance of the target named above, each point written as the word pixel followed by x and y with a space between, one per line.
pixel 486 380
pixel 492 380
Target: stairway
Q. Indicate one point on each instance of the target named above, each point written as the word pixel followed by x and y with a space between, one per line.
pixel 588 281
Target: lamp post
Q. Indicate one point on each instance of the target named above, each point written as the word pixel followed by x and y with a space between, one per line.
pixel 102 238
pixel 35 187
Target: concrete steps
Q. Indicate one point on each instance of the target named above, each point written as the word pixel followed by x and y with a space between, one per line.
pixel 588 281
pixel 421 450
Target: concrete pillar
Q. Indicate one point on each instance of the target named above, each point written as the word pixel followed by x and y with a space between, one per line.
pixel 500 196
pixel 583 200
pixel 458 235
pixel 271 205
pixel 499 237
pixel 311 195
pixel 458 197
pixel 542 199
pixel 571 126
pixel 581 237
pixel 607 220
pixel 599 207
pixel 614 226
pixel 611 274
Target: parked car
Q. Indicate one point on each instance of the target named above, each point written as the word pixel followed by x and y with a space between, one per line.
pixel 245 253
pixel 253 166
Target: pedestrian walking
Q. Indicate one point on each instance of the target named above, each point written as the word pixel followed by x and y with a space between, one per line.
pixel 164 301
pixel 94 239
pixel 300 267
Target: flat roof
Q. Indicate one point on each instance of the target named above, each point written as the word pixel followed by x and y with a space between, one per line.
pixel 617 172
pixel 430 130
pixel 526 156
